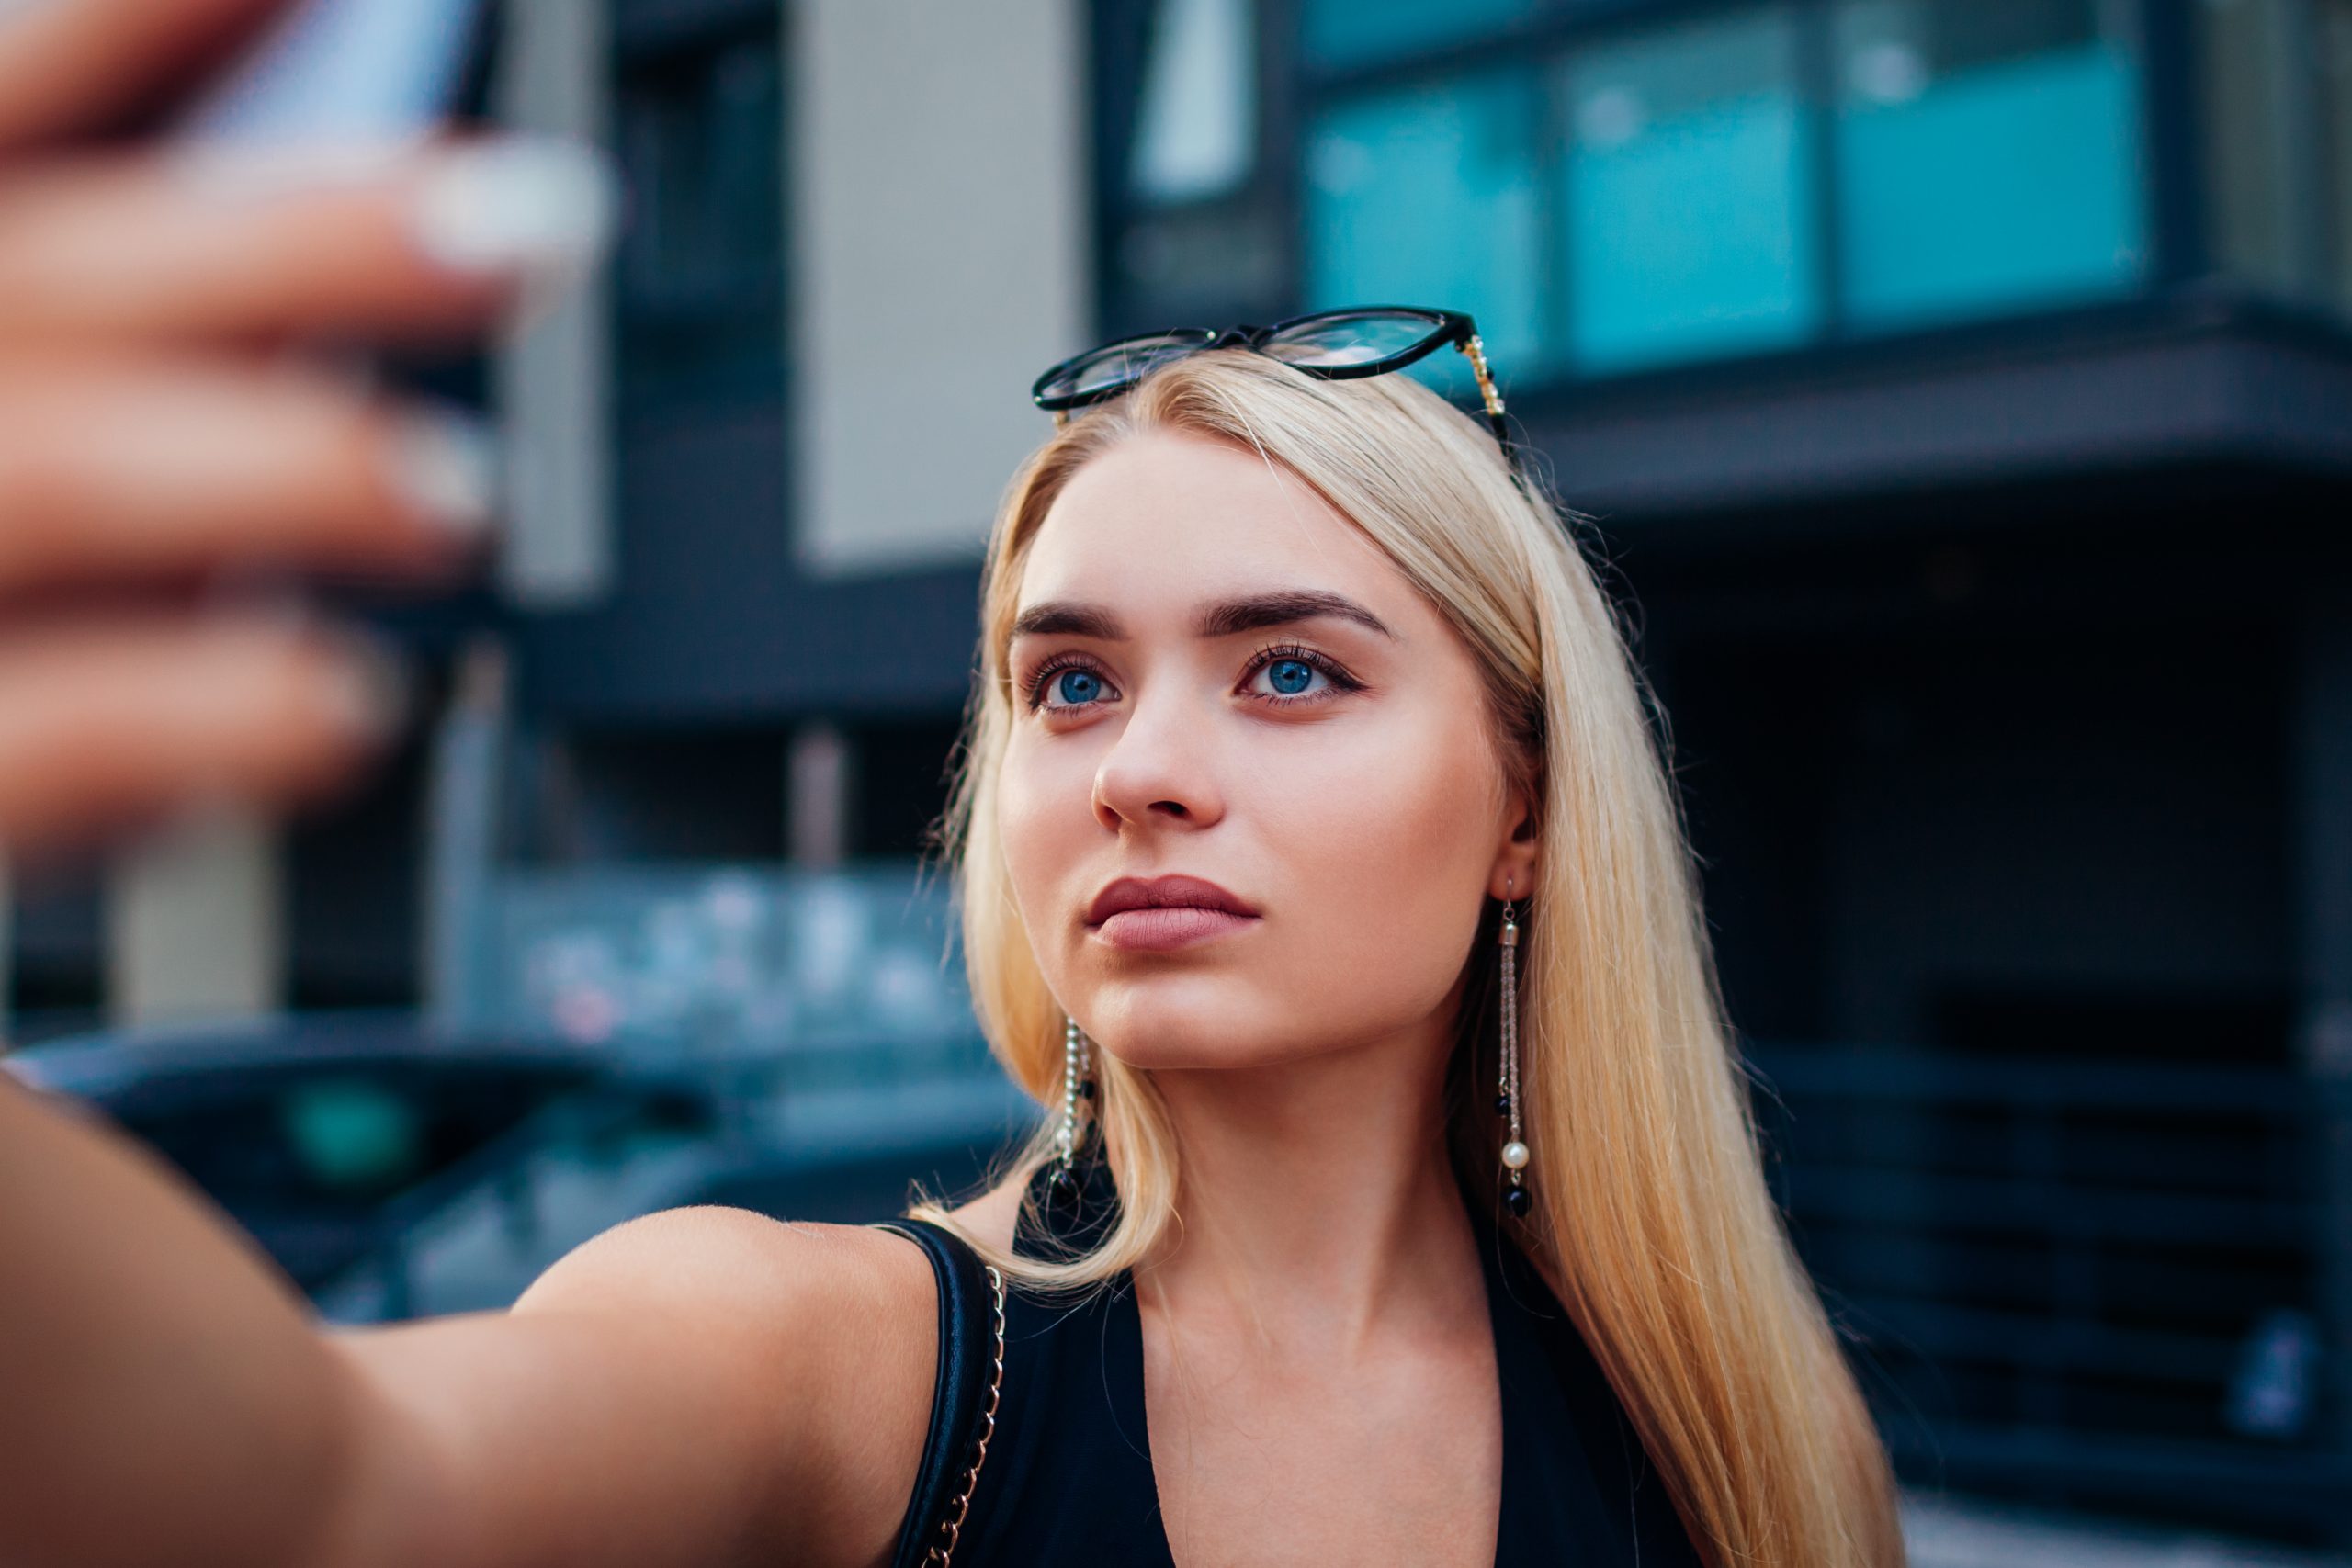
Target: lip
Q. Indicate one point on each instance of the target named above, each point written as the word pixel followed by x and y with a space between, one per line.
pixel 1162 913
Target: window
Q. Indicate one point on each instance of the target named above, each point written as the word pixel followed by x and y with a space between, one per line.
pixel 1987 155
pixel 2256 232
pixel 1201 230
pixel 2335 85
pixel 2277 144
pixel 1615 189
pixel 1198 130
pixel 1688 213
pixel 1350 32
pixel 1431 196
pixel 700 270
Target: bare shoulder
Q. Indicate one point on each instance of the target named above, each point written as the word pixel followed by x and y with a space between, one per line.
pixel 835 1325
pixel 814 1276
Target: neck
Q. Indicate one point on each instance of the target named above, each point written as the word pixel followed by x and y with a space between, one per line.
pixel 1317 1195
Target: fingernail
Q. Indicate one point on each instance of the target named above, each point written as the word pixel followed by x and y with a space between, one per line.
pixel 445 465
pixel 526 205
pixel 369 691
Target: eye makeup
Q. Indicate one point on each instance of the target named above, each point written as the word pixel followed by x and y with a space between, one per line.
pixel 1342 683
pixel 1034 685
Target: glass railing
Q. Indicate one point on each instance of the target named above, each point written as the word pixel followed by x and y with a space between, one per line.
pixel 723 963
pixel 2107 1283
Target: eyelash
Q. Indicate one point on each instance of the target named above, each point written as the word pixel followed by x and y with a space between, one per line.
pixel 1342 682
pixel 1053 667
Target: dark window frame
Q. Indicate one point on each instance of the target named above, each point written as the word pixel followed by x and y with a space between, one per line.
pixel 651 37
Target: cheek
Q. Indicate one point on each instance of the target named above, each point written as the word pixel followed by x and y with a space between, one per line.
pixel 1388 848
pixel 1044 819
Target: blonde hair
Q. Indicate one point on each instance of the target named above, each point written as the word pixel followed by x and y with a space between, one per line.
pixel 1652 1221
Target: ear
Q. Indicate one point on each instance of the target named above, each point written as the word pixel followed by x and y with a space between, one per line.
pixel 1512 875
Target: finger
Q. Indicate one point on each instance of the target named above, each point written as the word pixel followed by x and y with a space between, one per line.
pixel 112 466
pixel 432 242
pixel 118 720
pixel 71 65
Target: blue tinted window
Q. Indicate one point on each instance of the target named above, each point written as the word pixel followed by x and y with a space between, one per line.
pixel 1196 127
pixel 1431 197
pixel 1344 32
pixel 1988 153
pixel 1689 201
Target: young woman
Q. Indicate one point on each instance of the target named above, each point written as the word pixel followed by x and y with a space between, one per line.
pixel 1307 773
pixel 1319 870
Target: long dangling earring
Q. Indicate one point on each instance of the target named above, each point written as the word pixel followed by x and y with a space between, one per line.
pixel 1515 1196
pixel 1077 1060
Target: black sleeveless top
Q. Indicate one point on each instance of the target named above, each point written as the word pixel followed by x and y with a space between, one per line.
pixel 1068 1479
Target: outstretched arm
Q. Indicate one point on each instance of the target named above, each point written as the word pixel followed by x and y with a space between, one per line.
pixel 701 1387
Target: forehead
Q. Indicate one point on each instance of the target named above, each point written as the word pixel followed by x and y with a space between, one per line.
pixel 1169 518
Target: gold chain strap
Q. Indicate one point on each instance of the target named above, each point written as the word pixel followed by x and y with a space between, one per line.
pixel 952 1525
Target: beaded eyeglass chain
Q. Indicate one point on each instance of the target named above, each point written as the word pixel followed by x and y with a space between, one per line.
pixel 1516 1197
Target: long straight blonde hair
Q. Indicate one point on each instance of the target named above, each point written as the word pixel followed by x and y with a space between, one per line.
pixel 1652 1221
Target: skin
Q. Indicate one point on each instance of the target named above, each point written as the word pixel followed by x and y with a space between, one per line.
pixel 704 1386
pixel 692 1389
pixel 155 441
pixel 1362 814
pixel 1320 1369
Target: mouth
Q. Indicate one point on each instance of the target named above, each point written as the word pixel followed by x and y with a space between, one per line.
pixel 1163 913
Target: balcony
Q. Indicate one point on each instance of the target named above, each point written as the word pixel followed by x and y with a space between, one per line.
pixel 1734 256
pixel 2095 1283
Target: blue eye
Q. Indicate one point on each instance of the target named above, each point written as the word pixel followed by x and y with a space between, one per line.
pixel 1290 676
pixel 1077 686
pixel 1298 675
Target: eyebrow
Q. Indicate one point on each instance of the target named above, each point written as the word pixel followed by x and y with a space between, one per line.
pixel 1227 617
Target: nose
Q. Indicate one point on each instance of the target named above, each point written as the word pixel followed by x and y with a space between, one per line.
pixel 1161 769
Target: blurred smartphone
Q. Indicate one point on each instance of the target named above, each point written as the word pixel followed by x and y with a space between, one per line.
pixel 329 73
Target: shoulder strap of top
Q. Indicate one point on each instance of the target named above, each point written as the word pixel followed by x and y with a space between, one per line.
pixel 964 1393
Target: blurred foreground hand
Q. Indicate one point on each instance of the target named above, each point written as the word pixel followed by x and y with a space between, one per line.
pixel 156 435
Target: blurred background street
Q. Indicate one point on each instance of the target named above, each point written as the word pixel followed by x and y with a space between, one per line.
pixel 1960 395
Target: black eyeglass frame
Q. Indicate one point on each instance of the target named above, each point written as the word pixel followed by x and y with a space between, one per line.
pixel 1446 328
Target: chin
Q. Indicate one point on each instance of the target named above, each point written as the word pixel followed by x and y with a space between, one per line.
pixel 1198 1020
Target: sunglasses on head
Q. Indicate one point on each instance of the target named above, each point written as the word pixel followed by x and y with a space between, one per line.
pixel 1337 345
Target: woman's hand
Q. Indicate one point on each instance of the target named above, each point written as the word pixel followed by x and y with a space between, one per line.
pixel 156 435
